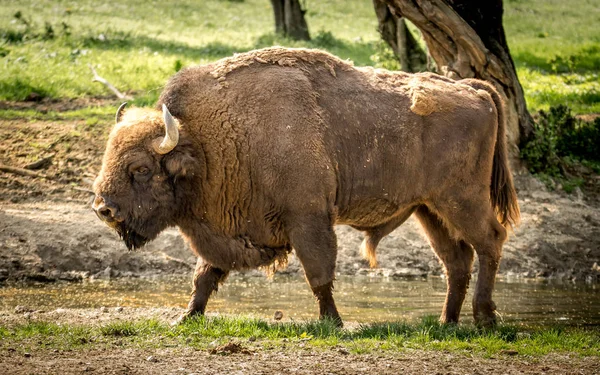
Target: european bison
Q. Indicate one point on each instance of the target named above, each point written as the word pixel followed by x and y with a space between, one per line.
pixel 266 151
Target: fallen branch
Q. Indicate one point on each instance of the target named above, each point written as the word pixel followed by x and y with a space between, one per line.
pixel 112 88
pixel 22 172
pixel 41 163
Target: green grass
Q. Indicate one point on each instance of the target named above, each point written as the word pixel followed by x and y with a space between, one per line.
pixel 556 47
pixel 92 115
pixel 138 44
pixel 202 332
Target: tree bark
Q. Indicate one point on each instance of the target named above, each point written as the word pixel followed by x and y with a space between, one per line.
pixel 289 19
pixel 466 39
pixel 395 33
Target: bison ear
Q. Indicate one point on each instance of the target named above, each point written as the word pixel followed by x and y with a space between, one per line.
pixel 180 164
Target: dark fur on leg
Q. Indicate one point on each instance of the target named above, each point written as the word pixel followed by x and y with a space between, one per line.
pixel 327 309
pixel 206 281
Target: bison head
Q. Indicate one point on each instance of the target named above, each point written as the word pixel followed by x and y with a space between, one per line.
pixel 144 162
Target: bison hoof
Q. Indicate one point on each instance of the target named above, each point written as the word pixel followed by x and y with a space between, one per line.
pixel 185 317
pixel 448 321
pixel 336 320
pixel 485 314
pixel 488 320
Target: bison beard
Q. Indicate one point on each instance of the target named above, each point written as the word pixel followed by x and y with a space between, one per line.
pixel 133 240
pixel 268 150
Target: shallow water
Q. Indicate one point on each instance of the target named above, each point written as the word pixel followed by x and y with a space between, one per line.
pixel 360 298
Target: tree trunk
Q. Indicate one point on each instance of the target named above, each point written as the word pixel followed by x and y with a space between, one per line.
pixel 466 39
pixel 279 16
pixel 396 34
pixel 289 19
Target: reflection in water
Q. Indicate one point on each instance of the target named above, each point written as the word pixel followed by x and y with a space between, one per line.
pixel 361 299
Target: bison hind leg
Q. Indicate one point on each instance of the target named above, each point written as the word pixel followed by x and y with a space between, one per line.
pixel 475 223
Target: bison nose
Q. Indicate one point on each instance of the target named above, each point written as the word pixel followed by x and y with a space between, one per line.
pixel 107 213
pixel 106 210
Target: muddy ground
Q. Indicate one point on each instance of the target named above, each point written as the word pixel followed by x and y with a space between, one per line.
pixel 48 232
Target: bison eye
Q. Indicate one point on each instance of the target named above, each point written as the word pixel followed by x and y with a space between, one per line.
pixel 141 171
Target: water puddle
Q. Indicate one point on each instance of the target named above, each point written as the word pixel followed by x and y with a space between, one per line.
pixel 360 299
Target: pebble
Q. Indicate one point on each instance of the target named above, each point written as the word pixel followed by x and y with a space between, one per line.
pixel 104 309
pixel 278 315
pixel 152 359
pixel 27 355
pixel 119 309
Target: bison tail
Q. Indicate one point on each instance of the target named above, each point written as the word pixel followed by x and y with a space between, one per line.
pixel 502 190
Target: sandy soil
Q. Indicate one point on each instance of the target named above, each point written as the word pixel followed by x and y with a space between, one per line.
pixel 291 361
pixel 48 232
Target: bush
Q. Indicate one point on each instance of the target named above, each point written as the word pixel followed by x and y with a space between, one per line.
pixel 560 139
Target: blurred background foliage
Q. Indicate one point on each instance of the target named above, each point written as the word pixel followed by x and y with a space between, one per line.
pixel 45 45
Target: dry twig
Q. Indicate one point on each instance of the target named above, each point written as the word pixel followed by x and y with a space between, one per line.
pixel 112 88
pixel 22 172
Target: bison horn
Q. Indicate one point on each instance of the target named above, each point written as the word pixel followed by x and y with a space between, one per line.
pixel 120 112
pixel 172 133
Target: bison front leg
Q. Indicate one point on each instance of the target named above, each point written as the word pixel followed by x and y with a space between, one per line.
pixel 315 244
pixel 206 281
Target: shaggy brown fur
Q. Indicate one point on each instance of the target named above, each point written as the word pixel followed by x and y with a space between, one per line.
pixel 278 145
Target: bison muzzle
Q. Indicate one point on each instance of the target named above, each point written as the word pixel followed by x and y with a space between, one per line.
pixel 266 151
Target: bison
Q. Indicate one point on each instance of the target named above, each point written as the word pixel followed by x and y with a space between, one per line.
pixel 264 152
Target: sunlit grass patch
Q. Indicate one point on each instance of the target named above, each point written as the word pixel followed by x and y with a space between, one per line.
pixel 578 91
pixel 201 333
pixel 252 327
pixel 138 45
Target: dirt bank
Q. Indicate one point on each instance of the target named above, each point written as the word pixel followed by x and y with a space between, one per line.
pixel 48 232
